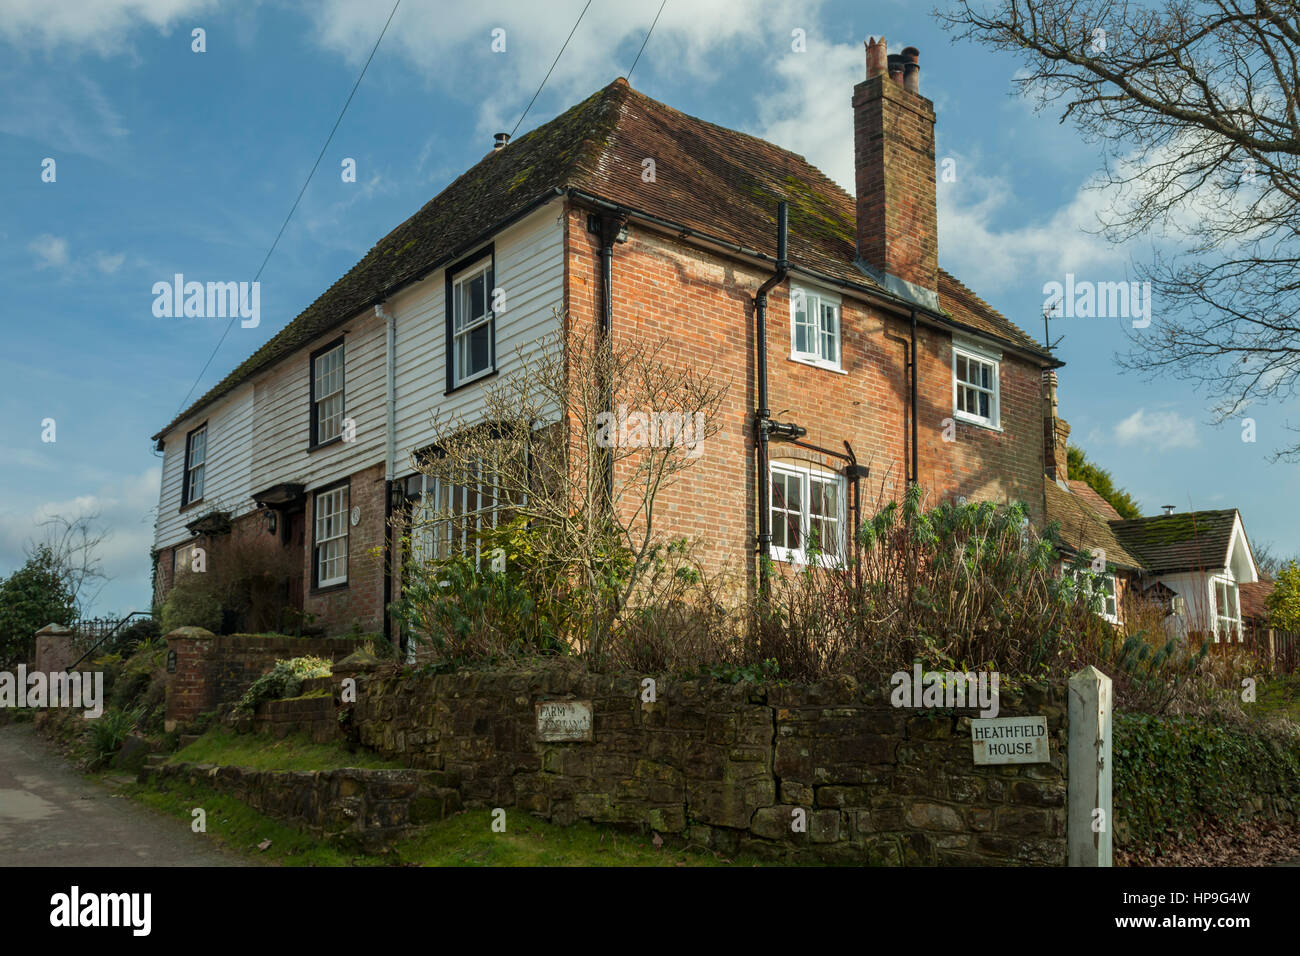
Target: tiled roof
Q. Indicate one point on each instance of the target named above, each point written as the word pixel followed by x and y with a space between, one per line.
pixel 1254 598
pixel 1098 503
pixel 1083 530
pixel 1188 541
pixel 712 180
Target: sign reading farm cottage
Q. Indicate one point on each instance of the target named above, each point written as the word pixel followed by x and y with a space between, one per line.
pixel 1010 740
pixel 564 720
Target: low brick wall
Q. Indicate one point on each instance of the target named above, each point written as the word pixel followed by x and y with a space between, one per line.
pixel 213 669
pixel 354 808
pixel 727 765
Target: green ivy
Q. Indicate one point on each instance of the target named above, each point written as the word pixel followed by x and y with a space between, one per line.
pixel 1172 775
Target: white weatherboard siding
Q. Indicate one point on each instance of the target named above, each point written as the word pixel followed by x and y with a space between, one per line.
pixel 259 435
pixel 282 430
pixel 530 269
pixel 225 472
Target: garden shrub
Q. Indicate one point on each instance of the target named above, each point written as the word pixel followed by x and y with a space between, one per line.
pixel 283 680
pixel 192 602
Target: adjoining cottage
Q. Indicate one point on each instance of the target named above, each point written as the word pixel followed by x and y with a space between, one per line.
pixel 1196 566
pixel 626 211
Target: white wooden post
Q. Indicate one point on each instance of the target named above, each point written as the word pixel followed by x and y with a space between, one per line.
pixel 1089 752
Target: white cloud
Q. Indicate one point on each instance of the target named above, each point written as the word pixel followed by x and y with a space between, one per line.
pixel 109 264
pixel 690 40
pixel 1161 430
pixel 51 251
pixel 102 26
pixel 812 115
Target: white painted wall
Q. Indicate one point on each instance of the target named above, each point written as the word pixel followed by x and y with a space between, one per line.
pixel 530 268
pixel 226 470
pixel 258 436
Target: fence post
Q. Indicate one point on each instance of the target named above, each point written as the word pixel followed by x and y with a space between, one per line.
pixel 1089 752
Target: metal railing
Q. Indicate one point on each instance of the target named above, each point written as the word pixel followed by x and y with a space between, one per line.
pixel 105 630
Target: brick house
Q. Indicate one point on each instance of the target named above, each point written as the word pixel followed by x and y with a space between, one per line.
pixel 624 210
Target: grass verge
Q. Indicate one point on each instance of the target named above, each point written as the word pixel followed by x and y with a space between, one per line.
pixel 225 748
pixel 465 839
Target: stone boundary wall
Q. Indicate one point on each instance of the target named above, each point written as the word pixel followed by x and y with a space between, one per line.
pixel 354 808
pixel 726 766
pixel 213 669
pixel 317 717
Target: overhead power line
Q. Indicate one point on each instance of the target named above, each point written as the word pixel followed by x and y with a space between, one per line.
pixel 646 40
pixel 548 72
pixel 294 207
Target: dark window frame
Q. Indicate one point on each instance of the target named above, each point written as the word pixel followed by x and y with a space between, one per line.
pixel 186 500
pixel 487 252
pixel 312 443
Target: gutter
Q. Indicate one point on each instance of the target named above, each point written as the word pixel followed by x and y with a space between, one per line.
pixel 900 304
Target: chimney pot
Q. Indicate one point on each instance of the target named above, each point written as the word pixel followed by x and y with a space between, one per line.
pixel 876 57
pixel 499 140
pixel 1168 509
pixel 896 68
pixel 911 69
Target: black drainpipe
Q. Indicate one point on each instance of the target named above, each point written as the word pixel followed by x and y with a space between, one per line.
pixel 763 415
pixel 610 227
pixel 916 477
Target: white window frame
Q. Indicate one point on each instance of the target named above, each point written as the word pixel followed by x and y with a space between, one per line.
pixel 1230 586
pixel 461 330
pixel 318 399
pixel 432 531
pixel 1107 583
pixel 807 475
pixel 973 353
pixel 195 469
pixel 330 535
pixel 815 300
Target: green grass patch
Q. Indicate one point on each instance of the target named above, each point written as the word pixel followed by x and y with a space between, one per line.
pixel 225 748
pixel 238 827
pixel 465 839
pixel 1276 697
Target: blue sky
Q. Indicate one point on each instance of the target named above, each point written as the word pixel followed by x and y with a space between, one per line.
pixel 174 161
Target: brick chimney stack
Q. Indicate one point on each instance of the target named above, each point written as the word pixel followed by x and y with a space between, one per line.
pixel 893 140
pixel 1056 433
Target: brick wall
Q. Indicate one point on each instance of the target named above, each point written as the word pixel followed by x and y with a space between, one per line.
pixel 726 766
pixel 213 669
pixel 360 602
pixel 702 304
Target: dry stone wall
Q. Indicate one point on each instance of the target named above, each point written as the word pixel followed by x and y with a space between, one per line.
pixel 734 766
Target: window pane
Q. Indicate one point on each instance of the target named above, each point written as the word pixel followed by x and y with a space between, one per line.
pixel 961 369
pixel 480 345
pixel 476 298
pixel 984 405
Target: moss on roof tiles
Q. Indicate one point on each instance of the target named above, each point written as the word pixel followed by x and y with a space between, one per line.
pixel 717 181
pixel 1189 540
